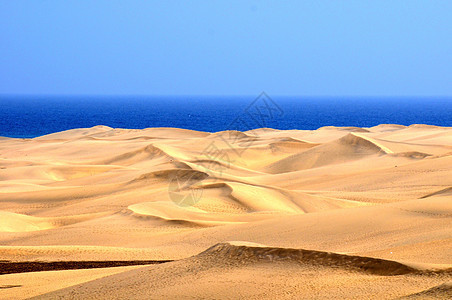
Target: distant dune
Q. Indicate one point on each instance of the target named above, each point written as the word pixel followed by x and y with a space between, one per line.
pixel 361 213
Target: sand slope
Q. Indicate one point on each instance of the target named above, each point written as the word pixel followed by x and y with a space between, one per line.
pixel 246 270
pixel 346 206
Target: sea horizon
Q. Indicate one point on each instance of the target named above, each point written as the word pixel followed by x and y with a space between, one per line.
pixel 29 116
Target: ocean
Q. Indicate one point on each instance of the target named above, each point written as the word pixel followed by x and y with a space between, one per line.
pixel 32 116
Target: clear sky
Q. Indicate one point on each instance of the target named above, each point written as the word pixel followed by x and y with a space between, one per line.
pixel 312 48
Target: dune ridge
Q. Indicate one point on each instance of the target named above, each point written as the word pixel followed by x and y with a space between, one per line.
pixel 234 262
pixel 443 291
pixel 243 252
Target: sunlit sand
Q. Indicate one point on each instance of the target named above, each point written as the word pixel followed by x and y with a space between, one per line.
pixel 336 212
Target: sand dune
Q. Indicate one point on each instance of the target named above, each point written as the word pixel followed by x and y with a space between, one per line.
pixel 318 212
pixel 11 222
pixel 243 252
pixel 443 291
pixel 349 147
pixel 225 267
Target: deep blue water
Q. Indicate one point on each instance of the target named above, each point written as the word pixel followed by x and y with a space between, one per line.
pixel 29 116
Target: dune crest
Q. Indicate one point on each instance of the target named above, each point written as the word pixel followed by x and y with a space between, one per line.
pixel 245 252
pixel 224 267
pixel 443 291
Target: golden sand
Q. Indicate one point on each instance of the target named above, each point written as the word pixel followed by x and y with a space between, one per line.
pixel 361 213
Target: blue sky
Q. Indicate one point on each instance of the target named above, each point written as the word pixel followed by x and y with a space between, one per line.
pixel 311 48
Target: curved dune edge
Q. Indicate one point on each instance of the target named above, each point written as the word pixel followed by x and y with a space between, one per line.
pixel 442 291
pixel 244 252
pixel 350 147
pixel 383 148
pixel 170 212
pixel 132 157
pixel 236 204
pixel 13 222
pixel 442 192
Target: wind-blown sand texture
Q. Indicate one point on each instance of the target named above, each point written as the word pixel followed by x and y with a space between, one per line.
pixel 361 213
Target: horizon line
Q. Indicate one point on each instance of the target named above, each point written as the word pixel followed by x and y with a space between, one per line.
pixel 223 95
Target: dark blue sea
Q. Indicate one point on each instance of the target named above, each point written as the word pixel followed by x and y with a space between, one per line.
pixel 32 116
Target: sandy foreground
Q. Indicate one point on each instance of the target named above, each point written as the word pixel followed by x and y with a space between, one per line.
pixel 362 213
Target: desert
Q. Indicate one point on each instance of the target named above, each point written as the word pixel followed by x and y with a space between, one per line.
pixel 337 212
